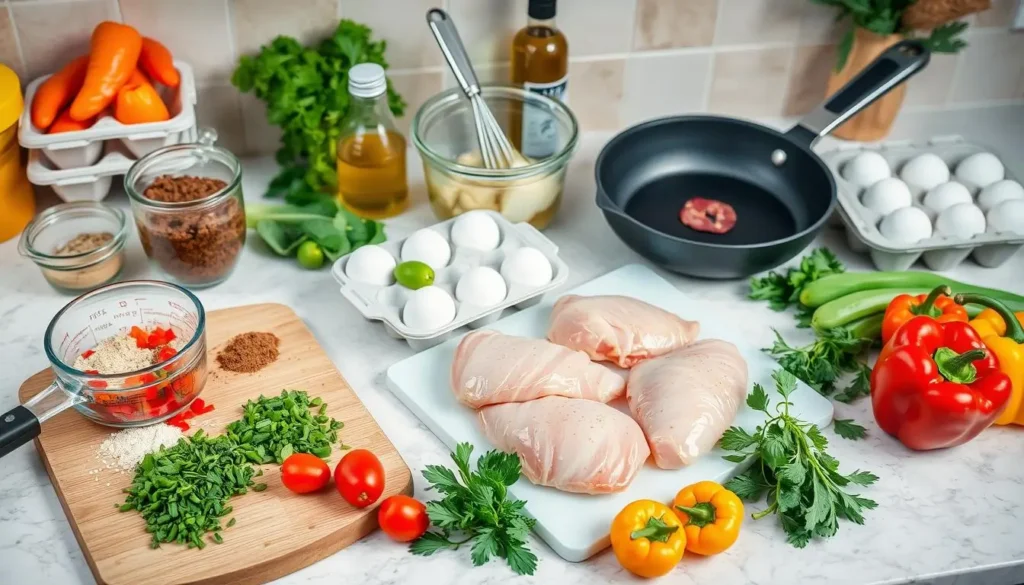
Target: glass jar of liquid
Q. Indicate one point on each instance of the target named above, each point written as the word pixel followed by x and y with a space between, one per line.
pixel 371 151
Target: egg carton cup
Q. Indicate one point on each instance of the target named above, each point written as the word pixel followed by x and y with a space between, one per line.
pixel 385 303
pixel 75 150
pixel 91 183
pixel 938 252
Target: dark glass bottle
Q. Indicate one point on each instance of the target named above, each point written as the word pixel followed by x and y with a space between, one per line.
pixel 540 63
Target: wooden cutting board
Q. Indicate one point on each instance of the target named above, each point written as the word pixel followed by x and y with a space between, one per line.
pixel 276 532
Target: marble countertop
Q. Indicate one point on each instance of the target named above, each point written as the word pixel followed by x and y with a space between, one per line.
pixel 944 518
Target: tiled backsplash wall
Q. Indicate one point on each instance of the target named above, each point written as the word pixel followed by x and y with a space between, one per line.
pixel 631 59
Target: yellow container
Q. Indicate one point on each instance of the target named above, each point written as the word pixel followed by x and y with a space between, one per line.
pixel 17 203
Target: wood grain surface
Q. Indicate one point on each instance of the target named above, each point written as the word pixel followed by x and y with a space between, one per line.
pixel 276 532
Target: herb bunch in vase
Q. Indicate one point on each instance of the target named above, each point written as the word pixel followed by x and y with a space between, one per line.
pixel 876 25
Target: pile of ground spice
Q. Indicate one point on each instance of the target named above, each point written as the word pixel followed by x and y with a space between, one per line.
pixel 249 352
pixel 123 450
pixel 195 245
pixel 83 243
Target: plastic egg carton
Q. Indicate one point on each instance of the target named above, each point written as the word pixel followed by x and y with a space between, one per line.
pixel 385 303
pixel 938 252
pixel 91 183
pixel 77 150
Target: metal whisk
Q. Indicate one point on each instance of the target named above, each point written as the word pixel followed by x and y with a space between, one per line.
pixel 495 148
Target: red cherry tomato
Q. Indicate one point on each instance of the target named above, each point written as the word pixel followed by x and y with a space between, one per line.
pixel 360 478
pixel 403 518
pixel 303 473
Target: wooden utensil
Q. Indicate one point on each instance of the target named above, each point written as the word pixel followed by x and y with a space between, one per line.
pixel 276 532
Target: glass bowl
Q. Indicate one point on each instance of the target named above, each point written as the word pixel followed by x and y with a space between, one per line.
pixel 137 398
pixel 194 243
pixel 545 130
pixel 56 226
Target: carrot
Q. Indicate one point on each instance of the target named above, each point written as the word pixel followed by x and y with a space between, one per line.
pixel 138 102
pixel 156 61
pixel 58 91
pixel 65 123
pixel 114 51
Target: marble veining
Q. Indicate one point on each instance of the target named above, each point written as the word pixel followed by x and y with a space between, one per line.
pixel 944 518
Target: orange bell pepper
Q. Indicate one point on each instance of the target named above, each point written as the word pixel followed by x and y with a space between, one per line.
pixel 712 516
pixel 647 538
pixel 937 304
pixel 138 102
pixel 113 53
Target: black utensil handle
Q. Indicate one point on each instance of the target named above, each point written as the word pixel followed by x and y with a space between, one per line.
pixel 17 427
pixel 897 64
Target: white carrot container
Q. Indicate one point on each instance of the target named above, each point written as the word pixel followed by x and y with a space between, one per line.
pixel 76 150
pixel 386 303
pixel 938 252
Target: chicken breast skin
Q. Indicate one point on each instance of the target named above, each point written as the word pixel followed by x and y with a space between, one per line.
pixel 686 400
pixel 618 329
pixel 493 368
pixel 573 445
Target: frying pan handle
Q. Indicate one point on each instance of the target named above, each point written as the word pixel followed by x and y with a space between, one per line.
pixel 897 64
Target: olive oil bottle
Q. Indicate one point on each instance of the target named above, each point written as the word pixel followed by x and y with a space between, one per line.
pixel 540 63
pixel 371 151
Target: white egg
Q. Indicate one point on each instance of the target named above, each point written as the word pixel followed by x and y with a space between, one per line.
pixel 372 265
pixel 998 192
pixel 866 169
pixel 906 226
pixel 887 195
pixel 925 171
pixel 476 230
pixel 526 266
pixel 428 308
pixel 428 247
pixel 963 221
pixel 1008 216
pixel 481 286
pixel 980 170
pixel 946 195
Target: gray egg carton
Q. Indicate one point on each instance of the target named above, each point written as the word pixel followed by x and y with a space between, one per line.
pixel 385 303
pixel 938 252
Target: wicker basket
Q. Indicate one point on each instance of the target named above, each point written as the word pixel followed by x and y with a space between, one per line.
pixel 928 14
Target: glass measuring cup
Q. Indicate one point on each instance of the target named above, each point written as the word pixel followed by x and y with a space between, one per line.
pixel 131 399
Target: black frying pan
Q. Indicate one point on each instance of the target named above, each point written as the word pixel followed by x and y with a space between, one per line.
pixel 781 191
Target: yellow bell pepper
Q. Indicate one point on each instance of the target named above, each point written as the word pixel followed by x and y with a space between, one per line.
pixel 712 516
pixel 1003 335
pixel 647 538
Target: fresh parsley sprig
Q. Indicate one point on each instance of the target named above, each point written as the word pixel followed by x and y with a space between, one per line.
pixel 822 363
pixel 477 511
pixel 783 290
pixel 790 465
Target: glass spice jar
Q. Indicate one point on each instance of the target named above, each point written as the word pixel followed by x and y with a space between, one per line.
pixel 189 211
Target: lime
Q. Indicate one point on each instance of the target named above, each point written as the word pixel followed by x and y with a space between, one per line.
pixel 414 274
pixel 310 255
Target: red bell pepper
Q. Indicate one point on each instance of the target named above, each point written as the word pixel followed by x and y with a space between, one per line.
pixel 936 385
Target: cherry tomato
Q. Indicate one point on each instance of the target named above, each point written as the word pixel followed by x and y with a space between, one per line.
pixel 403 518
pixel 360 478
pixel 303 473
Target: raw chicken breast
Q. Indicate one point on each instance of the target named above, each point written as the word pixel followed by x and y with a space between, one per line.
pixel 685 400
pixel 577 446
pixel 492 368
pixel 618 329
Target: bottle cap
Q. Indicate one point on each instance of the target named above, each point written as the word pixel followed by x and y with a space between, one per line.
pixel 367 80
pixel 541 9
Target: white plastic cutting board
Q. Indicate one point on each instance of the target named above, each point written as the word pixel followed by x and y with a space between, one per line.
pixel 576 525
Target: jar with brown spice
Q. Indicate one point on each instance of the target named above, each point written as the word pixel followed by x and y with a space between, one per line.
pixel 188 207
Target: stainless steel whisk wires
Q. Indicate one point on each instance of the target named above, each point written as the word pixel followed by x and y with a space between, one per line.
pixel 495 149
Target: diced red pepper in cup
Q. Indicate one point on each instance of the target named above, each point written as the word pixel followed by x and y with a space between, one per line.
pixel 140 336
pixel 98 384
pixel 87 353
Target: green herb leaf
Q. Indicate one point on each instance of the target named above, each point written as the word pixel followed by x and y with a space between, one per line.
pixel 783 290
pixel 848 429
pixel 736 439
pixel 747 486
pixel 758 399
pixel 864 478
pixel 430 543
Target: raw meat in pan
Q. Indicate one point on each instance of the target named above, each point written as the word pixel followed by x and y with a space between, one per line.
pixel 618 329
pixel 573 445
pixel 492 368
pixel 685 400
